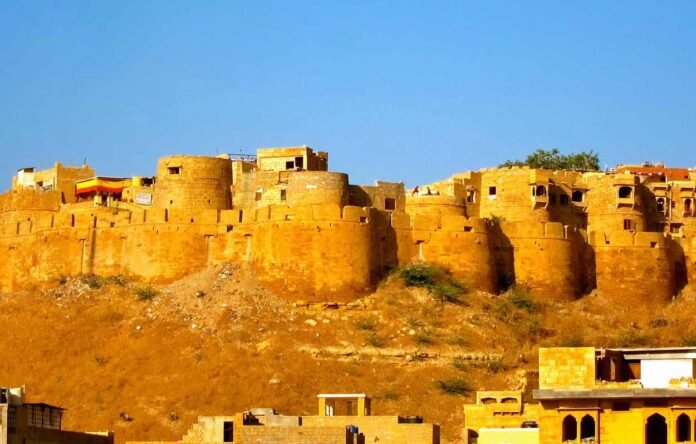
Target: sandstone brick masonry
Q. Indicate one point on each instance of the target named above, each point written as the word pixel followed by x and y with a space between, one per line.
pixel 309 234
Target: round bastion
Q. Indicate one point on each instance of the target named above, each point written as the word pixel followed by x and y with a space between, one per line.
pixel 193 183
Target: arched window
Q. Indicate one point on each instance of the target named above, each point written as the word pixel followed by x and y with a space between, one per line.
pixel 570 428
pixel 587 427
pixel 489 401
pixel 687 205
pixel 683 428
pixel 656 429
pixel 625 192
pixel 660 205
pixel 509 401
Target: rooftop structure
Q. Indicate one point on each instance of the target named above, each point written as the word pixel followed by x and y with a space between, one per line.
pixel 342 419
pixel 24 422
pixel 594 395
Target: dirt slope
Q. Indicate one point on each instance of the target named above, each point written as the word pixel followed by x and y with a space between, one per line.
pixel 216 343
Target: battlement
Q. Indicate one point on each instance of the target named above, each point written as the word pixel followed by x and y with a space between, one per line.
pixel 310 233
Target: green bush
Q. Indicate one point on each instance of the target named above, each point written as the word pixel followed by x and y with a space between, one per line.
pixel 145 293
pixel 689 341
pixel 520 298
pixel 461 363
pixel 419 275
pixel 366 324
pixel 424 338
pixel 93 281
pixel 453 386
pixel 574 340
pixel 117 280
pixel 436 280
pixel 631 338
pixel 375 341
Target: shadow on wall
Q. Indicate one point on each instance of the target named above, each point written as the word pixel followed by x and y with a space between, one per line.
pixel 503 255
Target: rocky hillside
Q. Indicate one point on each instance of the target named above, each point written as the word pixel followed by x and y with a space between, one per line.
pixel 146 361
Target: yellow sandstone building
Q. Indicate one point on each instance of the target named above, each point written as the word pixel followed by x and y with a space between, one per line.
pixel 309 234
pixel 587 395
pixel 341 419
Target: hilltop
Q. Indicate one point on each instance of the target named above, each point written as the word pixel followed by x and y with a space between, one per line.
pixel 216 342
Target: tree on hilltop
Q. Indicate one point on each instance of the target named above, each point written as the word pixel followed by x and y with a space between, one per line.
pixel 553 160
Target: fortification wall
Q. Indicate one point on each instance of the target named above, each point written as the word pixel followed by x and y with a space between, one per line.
pixel 193 182
pixel 317 188
pixel 544 259
pixel 633 268
pixel 435 205
pixel 459 244
pixel 314 252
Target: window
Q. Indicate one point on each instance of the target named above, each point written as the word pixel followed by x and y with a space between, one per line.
pixel 683 428
pixel 289 165
pixel 587 428
pixel 228 431
pixel 299 162
pixel 661 205
pixel 389 204
pixel 12 418
pixel 540 190
pixel 675 228
pixel 577 196
pixel 471 196
pixel 687 205
pixel 174 170
pixel 625 192
pixel 564 199
pixel 629 225
pixel 283 194
pixel 570 428
pixel 492 191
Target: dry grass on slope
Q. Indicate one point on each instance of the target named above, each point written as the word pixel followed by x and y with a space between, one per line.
pixel 217 343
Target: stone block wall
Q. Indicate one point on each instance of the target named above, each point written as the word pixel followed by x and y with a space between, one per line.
pixel 567 368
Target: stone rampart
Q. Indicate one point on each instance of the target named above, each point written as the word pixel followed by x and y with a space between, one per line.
pixel 544 258
pixel 193 182
pixel 633 268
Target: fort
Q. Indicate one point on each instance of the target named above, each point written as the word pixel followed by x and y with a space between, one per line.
pixel 309 234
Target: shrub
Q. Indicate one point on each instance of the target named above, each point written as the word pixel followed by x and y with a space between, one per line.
pixel 449 291
pixel 519 296
pixel 418 275
pixel 375 341
pixel 119 280
pixel 93 281
pixel 495 366
pixel 413 322
pixel 424 338
pixel 63 279
pixel 453 386
pixel 659 322
pixel 145 293
pixel 689 341
pixel 461 363
pixel 456 339
pixel 389 395
pixel 101 359
pixel 435 279
pixel 574 340
pixel 366 324
pixel 504 309
pixel 631 338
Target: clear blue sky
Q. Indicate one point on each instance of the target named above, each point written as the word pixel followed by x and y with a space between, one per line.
pixel 394 90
